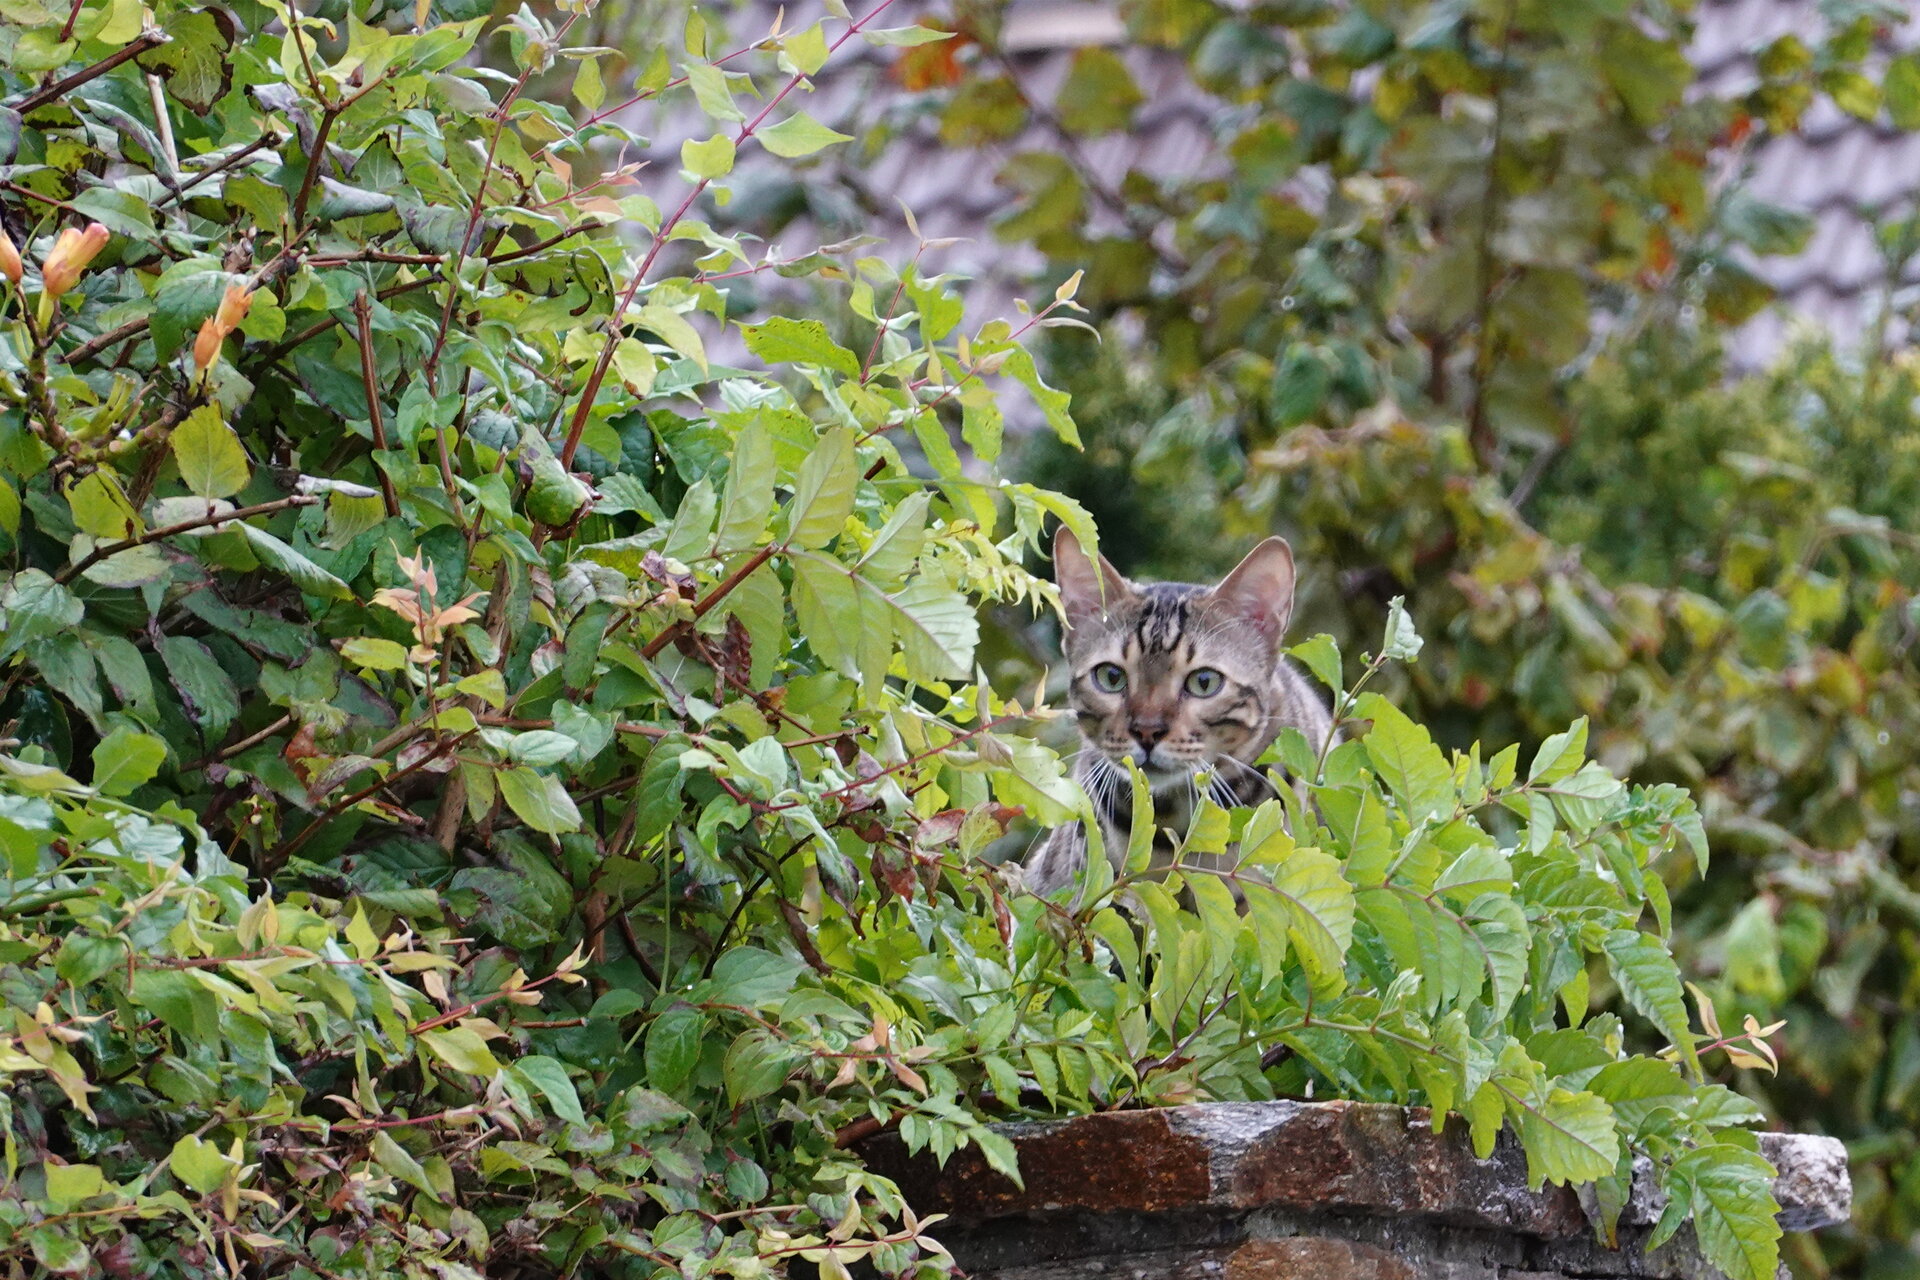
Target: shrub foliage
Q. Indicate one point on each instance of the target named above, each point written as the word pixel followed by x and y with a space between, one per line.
pixel 491 789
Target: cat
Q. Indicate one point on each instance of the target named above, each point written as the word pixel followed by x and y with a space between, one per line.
pixel 1181 679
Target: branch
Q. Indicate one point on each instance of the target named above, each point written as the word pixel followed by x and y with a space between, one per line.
pixel 363 318
pixel 100 553
pixel 617 321
pixel 706 603
pixel 145 41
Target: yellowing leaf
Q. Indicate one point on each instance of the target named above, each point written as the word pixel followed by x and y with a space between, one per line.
pixel 210 457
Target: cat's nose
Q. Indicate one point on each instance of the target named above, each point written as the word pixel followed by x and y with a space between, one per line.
pixel 1149 732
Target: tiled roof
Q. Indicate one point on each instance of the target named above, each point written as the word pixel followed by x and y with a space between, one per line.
pixel 1841 171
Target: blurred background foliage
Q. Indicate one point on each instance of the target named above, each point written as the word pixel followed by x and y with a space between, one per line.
pixel 1454 307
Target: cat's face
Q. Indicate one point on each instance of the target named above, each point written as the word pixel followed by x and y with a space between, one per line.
pixel 1173 676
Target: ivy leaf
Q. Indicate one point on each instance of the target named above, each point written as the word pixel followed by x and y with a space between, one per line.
pixel 212 461
pixel 200 1164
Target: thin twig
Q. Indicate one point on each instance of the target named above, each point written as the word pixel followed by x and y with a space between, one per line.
pixel 105 550
pixel 144 41
pixel 370 376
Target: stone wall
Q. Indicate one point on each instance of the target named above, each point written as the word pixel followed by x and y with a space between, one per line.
pixel 1301 1191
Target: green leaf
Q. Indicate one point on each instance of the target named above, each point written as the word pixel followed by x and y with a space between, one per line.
pixel 204 686
pixel 826 605
pixel 1901 89
pixel 1560 755
pixel 672 328
pixel 673 1048
pixel 798 135
pixel 196 63
pixel 395 1159
pixel 550 1078
pixel 755 1065
pixel 710 90
pixel 69 1184
pixel 896 548
pixel 709 159
pixel 1099 94
pixel 781 340
pixel 200 1165
pixel 824 491
pixel 1321 656
pixel 1308 903
pixel 540 800
pixel 304 573
pixel 212 461
pixel 749 499
pixel 1735 1216
pixel 126 759
pixel 1569 1137
pixel 462 1049
pixel 1406 759
pixel 938 627
pixel 1648 977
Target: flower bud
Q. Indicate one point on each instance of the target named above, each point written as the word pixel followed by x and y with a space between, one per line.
pixel 206 344
pixel 71 254
pixel 10 260
pixel 233 309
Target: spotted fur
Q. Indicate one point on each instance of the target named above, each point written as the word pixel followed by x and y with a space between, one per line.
pixel 1161 709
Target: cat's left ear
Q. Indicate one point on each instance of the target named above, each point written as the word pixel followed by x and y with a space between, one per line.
pixel 1260 589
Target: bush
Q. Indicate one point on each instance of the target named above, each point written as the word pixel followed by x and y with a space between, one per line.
pixel 491 788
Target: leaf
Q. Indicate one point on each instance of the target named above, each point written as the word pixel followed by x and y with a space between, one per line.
pixel 197 62
pixel 1404 755
pixel 826 606
pixel 1735 1216
pixel 304 573
pixel 1321 656
pixel 673 1048
pixel 212 461
pixel 823 492
pixel 896 548
pixel 211 700
pixel 781 340
pixel 540 800
pixel 755 1065
pixel 672 328
pixel 749 497
pixel 798 135
pixel 1309 903
pixel 1901 90
pixel 126 759
pixel 69 1184
pixel 1649 979
pixel 1569 1137
pixel 709 159
pixel 936 625
pixel 462 1049
pixel 1099 94
pixel 551 1079
pixel 1560 755
pixel 200 1164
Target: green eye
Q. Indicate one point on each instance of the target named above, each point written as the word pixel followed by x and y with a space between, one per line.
pixel 1205 682
pixel 1110 677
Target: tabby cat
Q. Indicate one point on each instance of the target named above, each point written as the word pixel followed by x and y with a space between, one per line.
pixel 1181 679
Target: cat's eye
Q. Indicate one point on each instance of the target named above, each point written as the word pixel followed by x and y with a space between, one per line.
pixel 1205 682
pixel 1110 677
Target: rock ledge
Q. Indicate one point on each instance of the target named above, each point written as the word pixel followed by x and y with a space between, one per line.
pixel 1320 1190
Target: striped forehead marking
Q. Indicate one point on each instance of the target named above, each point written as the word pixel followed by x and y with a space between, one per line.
pixel 1164 611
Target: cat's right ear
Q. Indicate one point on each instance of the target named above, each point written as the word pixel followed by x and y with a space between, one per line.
pixel 1089 586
